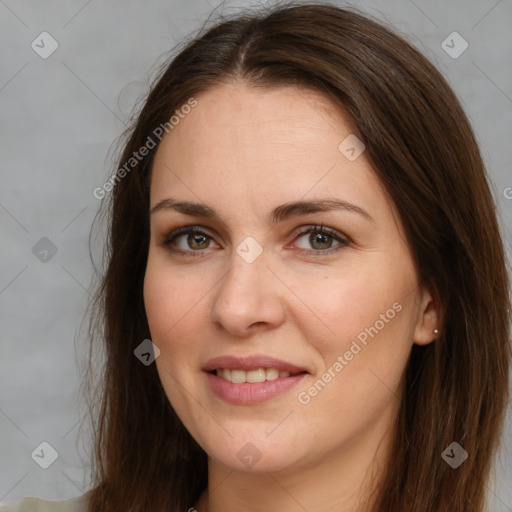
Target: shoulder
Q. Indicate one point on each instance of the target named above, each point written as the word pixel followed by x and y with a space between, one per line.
pixel 32 504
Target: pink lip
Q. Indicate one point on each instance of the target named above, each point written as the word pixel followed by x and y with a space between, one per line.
pixel 251 393
pixel 250 363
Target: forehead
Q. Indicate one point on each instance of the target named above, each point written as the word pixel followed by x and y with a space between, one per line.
pixel 242 116
pixel 280 144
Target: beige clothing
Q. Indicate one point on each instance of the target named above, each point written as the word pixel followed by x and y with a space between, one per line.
pixel 31 504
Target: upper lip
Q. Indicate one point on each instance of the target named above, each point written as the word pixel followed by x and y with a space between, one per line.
pixel 252 362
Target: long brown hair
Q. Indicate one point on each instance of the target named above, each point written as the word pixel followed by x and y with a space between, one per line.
pixel 423 149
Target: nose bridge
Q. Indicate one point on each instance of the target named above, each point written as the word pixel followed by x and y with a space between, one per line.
pixel 247 293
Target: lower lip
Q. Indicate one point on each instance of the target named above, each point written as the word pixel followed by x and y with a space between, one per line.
pixel 252 392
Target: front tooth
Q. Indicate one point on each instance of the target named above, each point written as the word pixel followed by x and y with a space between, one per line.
pixel 238 376
pixel 272 374
pixel 256 375
pixel 252 376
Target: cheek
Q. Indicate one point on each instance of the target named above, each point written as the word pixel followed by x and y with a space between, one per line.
pixel 341 305
pixel 173 302
pixel 361 326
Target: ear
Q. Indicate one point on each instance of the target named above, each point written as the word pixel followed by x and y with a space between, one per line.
pixel 428 319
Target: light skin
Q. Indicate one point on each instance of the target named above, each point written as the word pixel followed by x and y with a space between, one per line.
pixel 244 152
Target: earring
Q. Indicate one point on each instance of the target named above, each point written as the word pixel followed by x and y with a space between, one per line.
pixel 436 331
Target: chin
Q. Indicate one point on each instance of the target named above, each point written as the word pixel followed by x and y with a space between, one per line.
pixel 256 456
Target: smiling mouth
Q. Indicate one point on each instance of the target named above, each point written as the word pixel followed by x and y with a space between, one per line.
pixel 252 376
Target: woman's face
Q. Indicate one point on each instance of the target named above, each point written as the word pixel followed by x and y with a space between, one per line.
pixel 314 328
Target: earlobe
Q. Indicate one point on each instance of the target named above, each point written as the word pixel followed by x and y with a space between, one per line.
pixel 427 324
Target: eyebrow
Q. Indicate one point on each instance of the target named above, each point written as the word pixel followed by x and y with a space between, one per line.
pixel 279 214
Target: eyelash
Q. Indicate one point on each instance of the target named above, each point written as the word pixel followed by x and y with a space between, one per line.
pixel 169 239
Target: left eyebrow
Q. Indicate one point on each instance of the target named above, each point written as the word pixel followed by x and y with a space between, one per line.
pixel 278 214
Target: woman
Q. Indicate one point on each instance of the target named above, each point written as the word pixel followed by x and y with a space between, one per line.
pixel 306 304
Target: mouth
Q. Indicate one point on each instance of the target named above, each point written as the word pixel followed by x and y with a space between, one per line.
pixel 251 379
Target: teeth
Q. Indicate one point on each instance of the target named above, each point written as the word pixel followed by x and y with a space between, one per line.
pixel 272 374
pixel 259 375
pixel 238 376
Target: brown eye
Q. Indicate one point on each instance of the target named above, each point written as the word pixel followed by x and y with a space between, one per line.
pixel 195 241
pixel 321 239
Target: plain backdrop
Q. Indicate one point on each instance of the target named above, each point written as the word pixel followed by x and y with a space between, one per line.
pixel 59 118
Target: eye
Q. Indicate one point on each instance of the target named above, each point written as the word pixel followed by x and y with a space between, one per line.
pixel 322 238
pixel 197 240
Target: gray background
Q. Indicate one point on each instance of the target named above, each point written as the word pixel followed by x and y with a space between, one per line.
pixel 59 118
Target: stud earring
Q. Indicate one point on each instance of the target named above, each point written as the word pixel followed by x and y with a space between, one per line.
pixel 436 331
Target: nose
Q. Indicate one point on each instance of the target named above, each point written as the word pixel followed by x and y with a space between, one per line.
pixel 248 298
